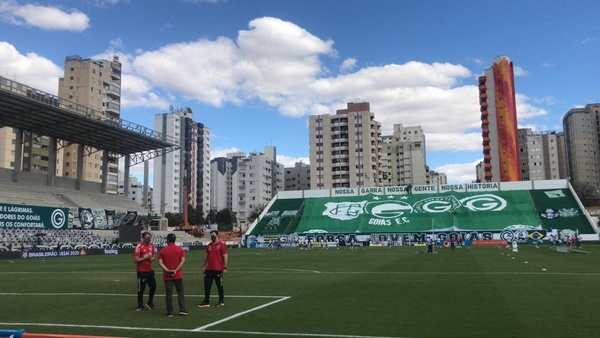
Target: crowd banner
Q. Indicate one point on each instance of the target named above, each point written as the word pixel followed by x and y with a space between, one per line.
pixel 21 216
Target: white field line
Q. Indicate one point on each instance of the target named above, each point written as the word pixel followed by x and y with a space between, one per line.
pixel 202 329
pixel 240 314
pixel 254 333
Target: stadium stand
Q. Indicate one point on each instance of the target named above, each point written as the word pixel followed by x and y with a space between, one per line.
pixel 34 191
pixel 542 206
pixel 25 240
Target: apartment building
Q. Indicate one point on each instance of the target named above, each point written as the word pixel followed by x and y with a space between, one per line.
pixel 345 148
pixel 182 177
pixel 499 122
pixel 297 177
pixel 245 183
pixel 95 84
pixel 403 157
pixel 581 128
pixel 542 155
pixel 136 191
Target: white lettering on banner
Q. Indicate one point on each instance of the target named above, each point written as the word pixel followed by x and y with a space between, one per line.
pixel 344 192
pixel 374 190
pixel 482 186
pixel 423 188
pixel 452 187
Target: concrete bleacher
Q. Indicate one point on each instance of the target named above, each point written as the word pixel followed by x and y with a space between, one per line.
pixel 32 189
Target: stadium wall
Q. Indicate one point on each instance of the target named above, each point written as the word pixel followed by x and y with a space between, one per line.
pixel 78 253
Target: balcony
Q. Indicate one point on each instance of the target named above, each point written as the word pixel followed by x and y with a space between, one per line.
pixel 111 107
pixel 113 92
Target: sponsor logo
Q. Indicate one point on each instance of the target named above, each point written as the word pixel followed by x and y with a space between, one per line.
pixel 549 214
pixel 485 202
pixel 388 209
pixel 554 194
pixel 572 212
pixel 111 251
pixel 437 204
pixel 58 218
pixel 345 210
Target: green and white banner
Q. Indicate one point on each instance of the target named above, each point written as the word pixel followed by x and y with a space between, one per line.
pixel 456 211
pixel 20 216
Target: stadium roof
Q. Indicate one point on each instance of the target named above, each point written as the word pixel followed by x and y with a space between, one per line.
pixel 32 110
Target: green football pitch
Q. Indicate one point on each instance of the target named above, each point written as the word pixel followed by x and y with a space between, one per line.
pixel 368 292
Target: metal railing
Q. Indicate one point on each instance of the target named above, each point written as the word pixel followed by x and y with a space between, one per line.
pixel 54 101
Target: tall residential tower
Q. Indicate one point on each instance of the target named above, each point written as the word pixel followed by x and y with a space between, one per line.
pixel 499 122
pixel 582 128
pixel 182 177
pixel 345 148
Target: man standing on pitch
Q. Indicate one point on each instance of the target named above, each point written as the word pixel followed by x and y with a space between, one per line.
pixel 143 256
pixel 171 259
pixel 215 266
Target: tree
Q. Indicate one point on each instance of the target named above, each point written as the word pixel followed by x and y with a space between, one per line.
pixel 211 218
pixel 225 219
pixel 195 216
pixel 587 193
pixel 174 219
pixel 256 211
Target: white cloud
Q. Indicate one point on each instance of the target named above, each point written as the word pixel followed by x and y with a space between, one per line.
pixel 526 110
pixel 459 172
pixel 286 161
pixel 279 63
pixel 453 142
pixel 478 61
pixel 273 61
pixel 222 152
pixel 30 69
pixel 548 100
pixel 588 40
pixel 104 3
pixel 518 71
pixel 289 161
pixel 44 17
pixel 348 65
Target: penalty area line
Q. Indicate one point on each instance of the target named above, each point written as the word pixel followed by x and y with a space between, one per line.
pixel 202 328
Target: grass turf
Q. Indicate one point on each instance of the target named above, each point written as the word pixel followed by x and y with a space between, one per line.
pixel 398 292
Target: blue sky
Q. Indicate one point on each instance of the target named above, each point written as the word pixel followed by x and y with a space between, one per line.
pixel 253 71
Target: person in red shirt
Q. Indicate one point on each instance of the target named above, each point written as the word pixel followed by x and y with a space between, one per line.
pixel 171 259
pixel 215 266
pixel 143 256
